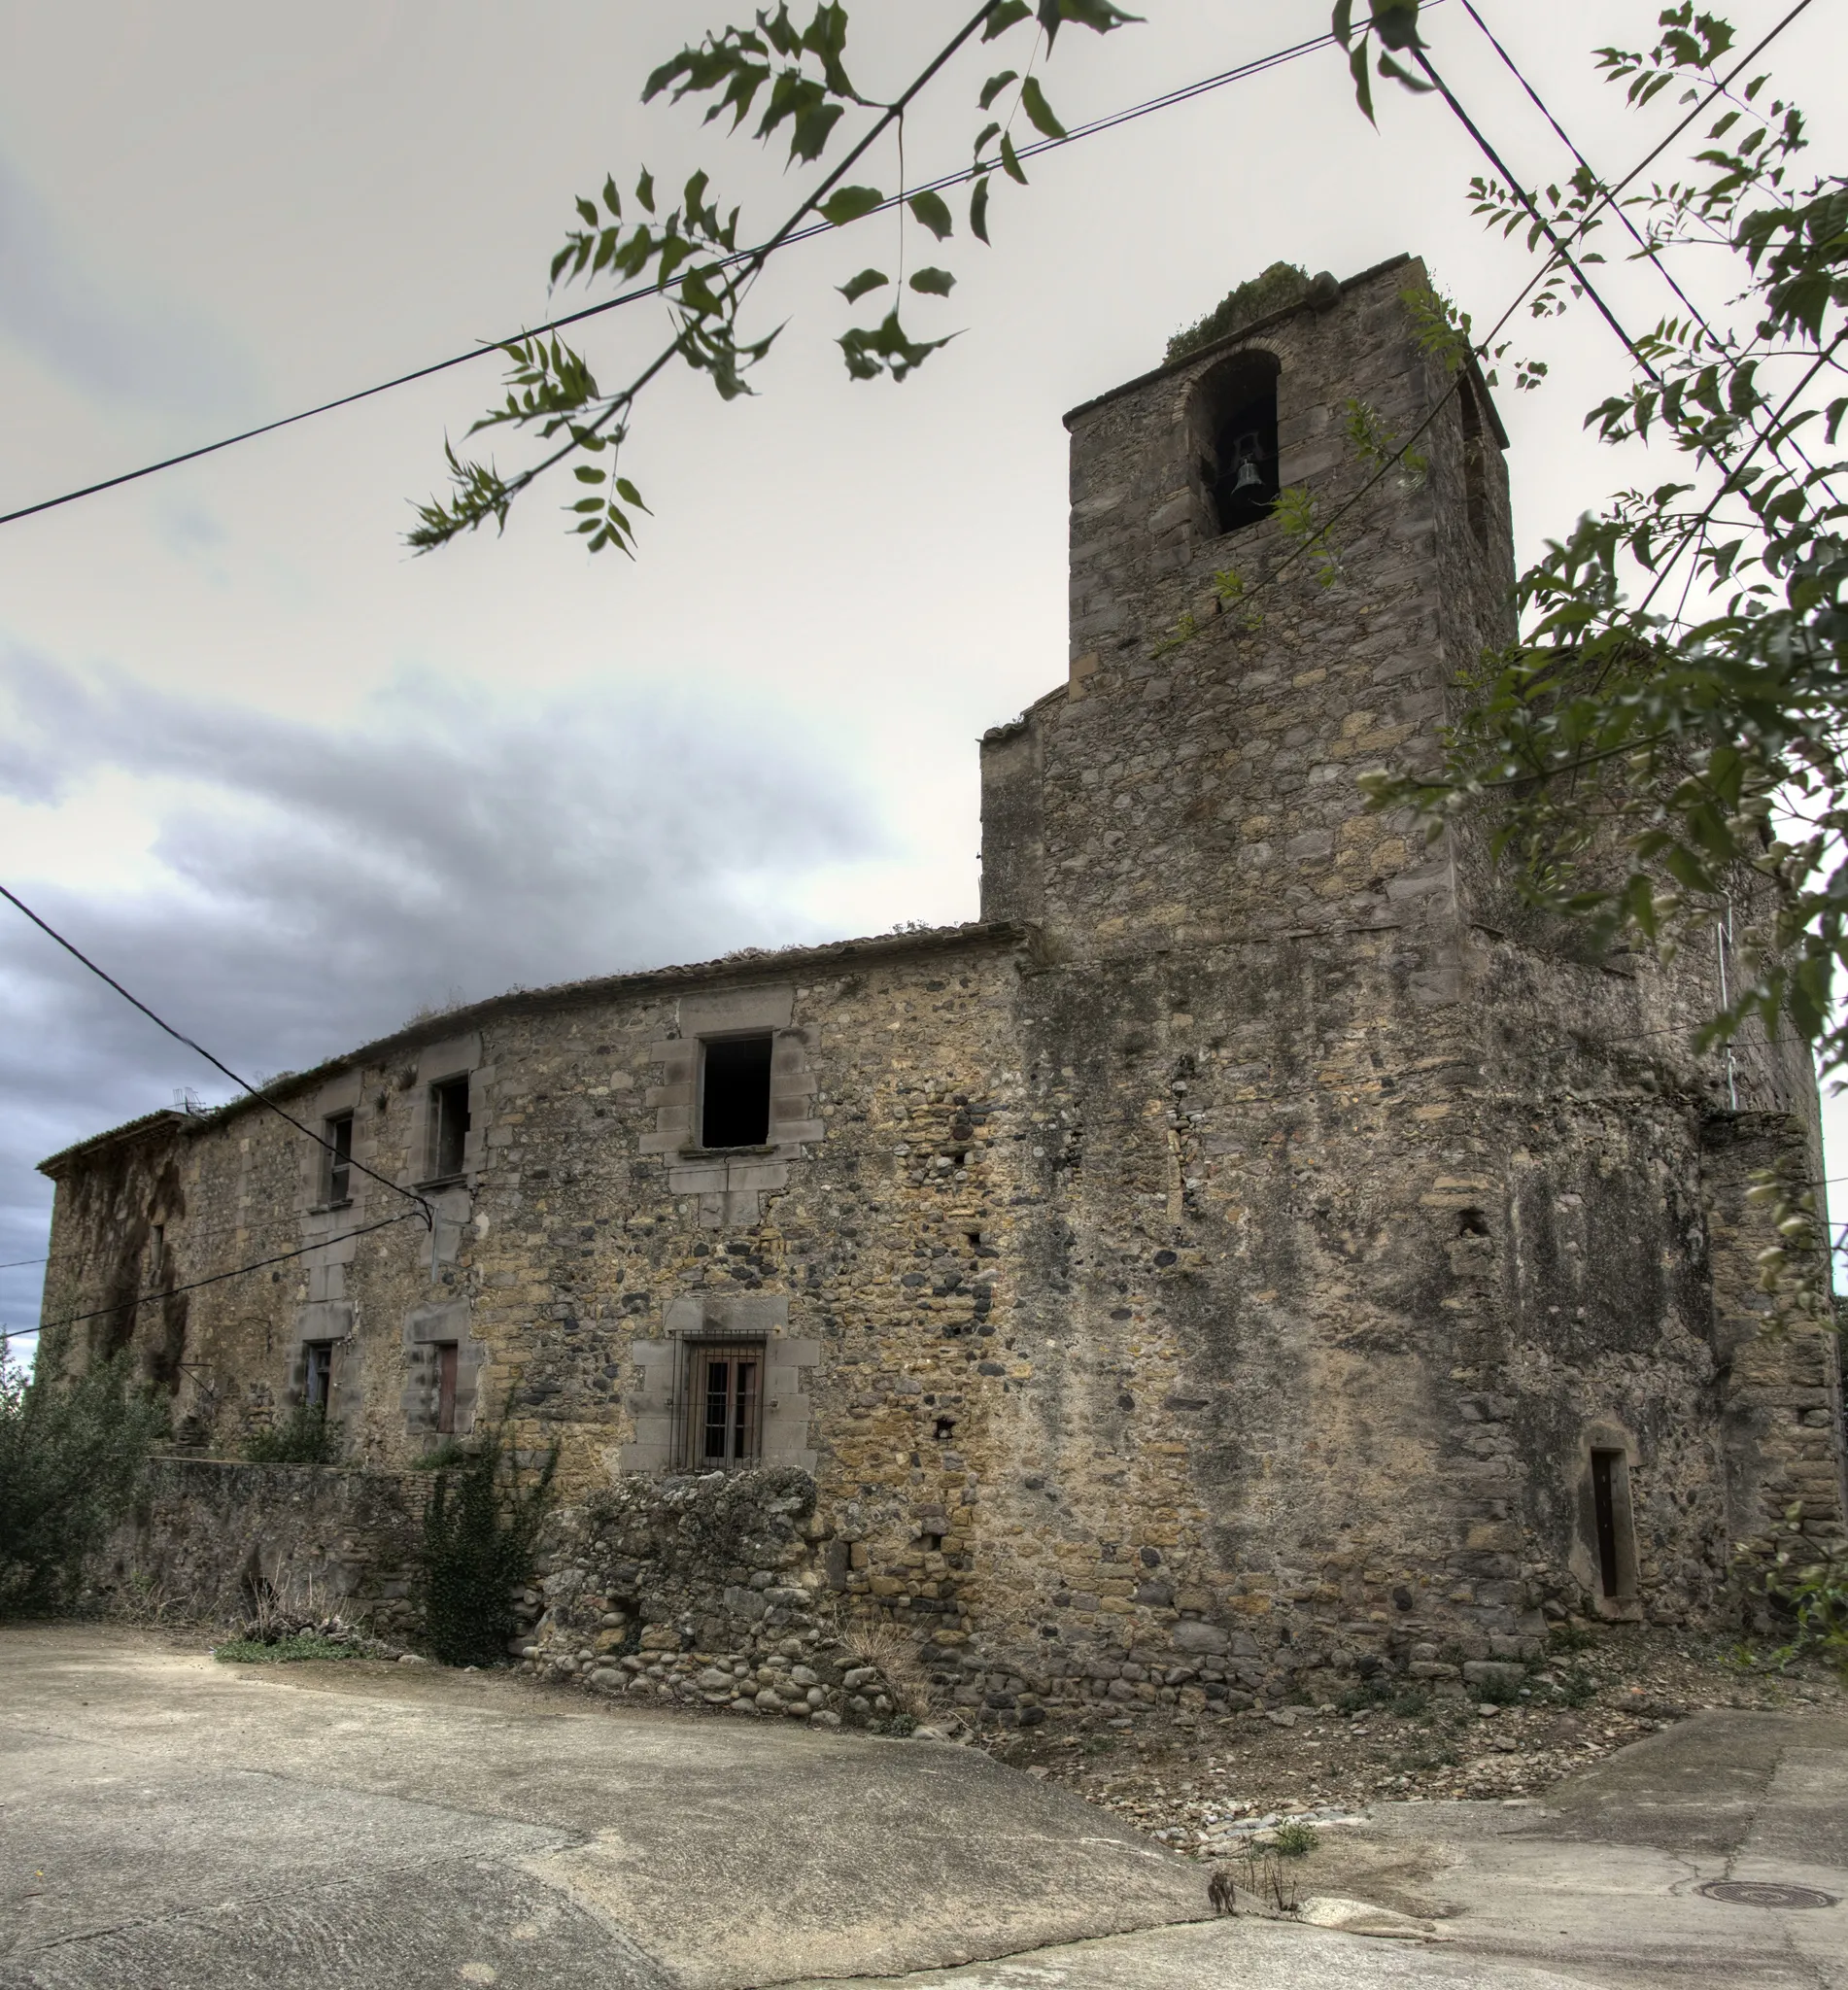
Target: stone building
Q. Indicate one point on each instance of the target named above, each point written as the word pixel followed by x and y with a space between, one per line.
pixel 1256 1241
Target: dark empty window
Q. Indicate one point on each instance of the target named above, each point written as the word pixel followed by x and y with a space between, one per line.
pixel 1236 427
pixel 449 1127
pixel 1608 1492
pixel 337 1157
pixel 446 1353
pixel 725 1403
pixel 318 1375
pixel 734 1092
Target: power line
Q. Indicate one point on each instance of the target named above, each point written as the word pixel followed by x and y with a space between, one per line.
pixel 218 1278
pixel 218 1064
pixel 14 1264
pixel 1108 123
pixel 1539 220
pixel 1635 234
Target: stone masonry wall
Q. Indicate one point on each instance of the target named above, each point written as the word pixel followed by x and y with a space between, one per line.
pixel 208 1538
pixel 1211 1275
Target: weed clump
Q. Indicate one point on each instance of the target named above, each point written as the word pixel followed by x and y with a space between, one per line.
pixel 1295 1840
pixel 283 1651
pixel 1281 285
pixel 304 1437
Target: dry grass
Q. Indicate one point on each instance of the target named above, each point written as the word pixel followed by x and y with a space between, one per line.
pixel 884 1646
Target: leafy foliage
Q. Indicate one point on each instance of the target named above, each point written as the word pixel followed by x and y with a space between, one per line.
pixel 1805 1583
pixel 283 1651
pixel 1391 27
pixel 1257 296
pixel 480 1526
pixel 795 79
pixel 73 1451
pixel 303 1437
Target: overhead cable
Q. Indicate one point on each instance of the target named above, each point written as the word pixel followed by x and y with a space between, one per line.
pixel 488 348
pixel 217 1063
pixel 218 1278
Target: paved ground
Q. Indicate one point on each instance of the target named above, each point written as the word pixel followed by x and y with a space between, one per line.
pixel 168 1822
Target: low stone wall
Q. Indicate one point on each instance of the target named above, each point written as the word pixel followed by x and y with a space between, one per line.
pixel 733 1592
pixel 209 1539
pixel 712 1592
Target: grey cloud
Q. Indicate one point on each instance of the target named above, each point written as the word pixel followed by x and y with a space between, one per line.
pixel 329 881
pixel 149 356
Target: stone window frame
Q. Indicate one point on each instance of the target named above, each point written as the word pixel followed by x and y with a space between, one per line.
pixel 658 1372
pixel 441 1063
pixel 440 1323
pixel 320 1324
pixel 729 1184
pixel 1604 1438
pixel 340 1098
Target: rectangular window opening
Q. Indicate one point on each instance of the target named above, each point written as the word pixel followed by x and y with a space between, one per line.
pixel 724 1391
pixel 447 1355
pixel 734 1085
pixel 1606 1467
pixel 317 1376
pixel 337 1157
pixel 449 1127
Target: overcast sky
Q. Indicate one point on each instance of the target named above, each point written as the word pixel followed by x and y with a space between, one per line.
pixel 293 784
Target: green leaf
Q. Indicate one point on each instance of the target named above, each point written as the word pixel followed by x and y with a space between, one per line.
pixel 979 210
pixel 1003 15
pixel 988 131
pixel 1033 102
pixel 1010 161
pixel 856 287
pixel 587 211
pixel 932 211
pixel 1098 15
pixel 934 283
pixel 585 474
pixel 1362 82
pixel 848 203
pixel 993 87
pixel 611 198
pixel 627 491
pixel 646 190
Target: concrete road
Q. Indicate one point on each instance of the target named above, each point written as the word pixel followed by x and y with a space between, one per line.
pixel 166 1821
pixel 170 1823
pixel 1598 1884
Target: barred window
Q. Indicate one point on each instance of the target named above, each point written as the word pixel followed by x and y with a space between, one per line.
pixel 724 1404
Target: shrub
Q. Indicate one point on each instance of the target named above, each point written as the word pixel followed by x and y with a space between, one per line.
pixel 304 1644
pixel 1577 1688
pixel 1254 299
pixel 304 1437
pixel 1810 1596
pixel 480 1527
pixel 1295 1840
pixel 445 1458
pixel 73 1451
